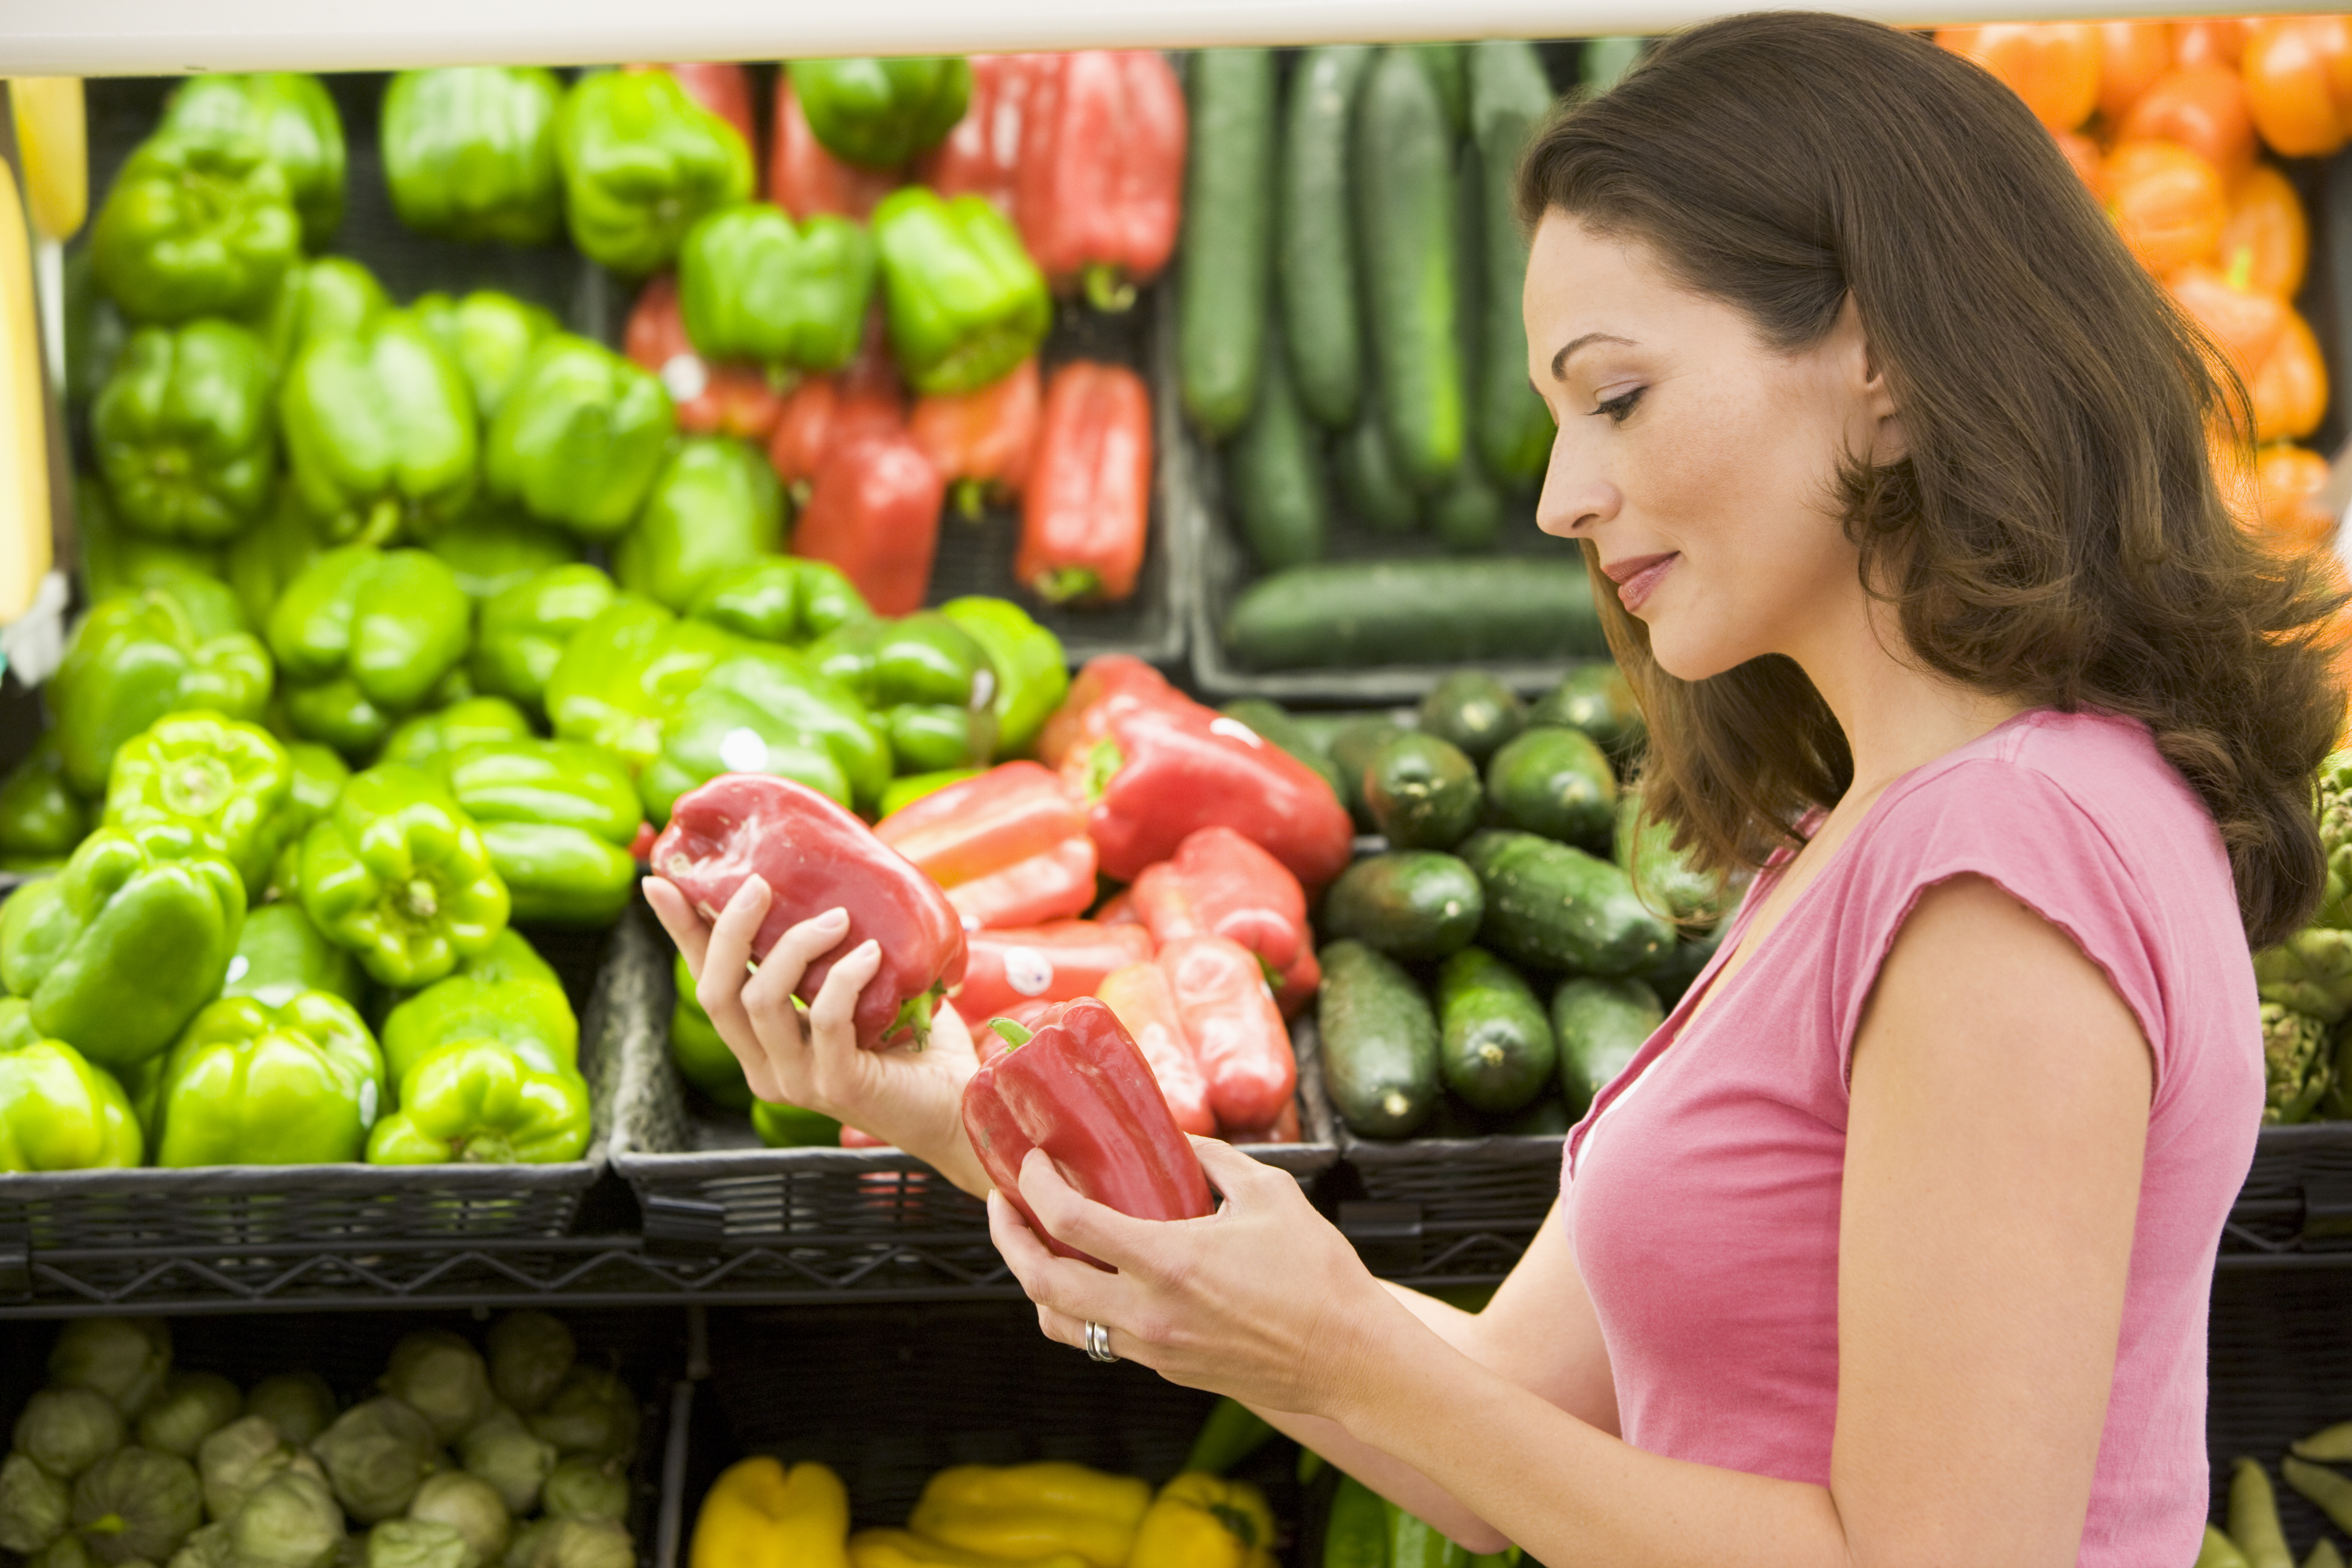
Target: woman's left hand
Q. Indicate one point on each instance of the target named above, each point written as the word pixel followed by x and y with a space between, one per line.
pixel 1262 1300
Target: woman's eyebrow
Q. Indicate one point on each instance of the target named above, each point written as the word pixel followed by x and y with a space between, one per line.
pixel 1560 360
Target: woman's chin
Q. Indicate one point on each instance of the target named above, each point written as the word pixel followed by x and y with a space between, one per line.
pixel 1691 658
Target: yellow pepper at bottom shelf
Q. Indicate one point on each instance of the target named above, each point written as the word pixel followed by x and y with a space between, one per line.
pixel 1021 1511
pixel 1200 1520
pixel 905 1548
pixel 758 1514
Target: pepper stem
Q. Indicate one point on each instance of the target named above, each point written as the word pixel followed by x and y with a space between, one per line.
pixel 1012 1033
pixel 1103 763
pixel 1060 585
pixel 1106 289
pixel 418 899
pixel 970 499
pixel 915 1015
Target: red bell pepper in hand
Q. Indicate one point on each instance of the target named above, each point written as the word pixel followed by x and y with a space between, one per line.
pixel 1141 995
pixel 816 857
pixel 981 442
pixel 711 399
pixel 1010 847
pixel 1079 1090
pixel 719 87
pixel 874 512
pixel 1058 962
pixel 1102 172
pixel 1236 1032
pixel 1107 683
pixel 981 156
pixel 1218 883
pixel 805 180
pixel 1088 505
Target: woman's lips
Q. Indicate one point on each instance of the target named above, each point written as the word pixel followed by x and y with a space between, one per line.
pixel 1638 578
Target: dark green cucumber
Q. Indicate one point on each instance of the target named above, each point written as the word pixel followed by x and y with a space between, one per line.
pixel 1271 722
pixel 1281 498
pixel 1494 1045
pixel 1666 880
pixel 1510 99
pixel 1468 513
pixel 1427 611
pixel 1223 278
pixel 1315 239
pixel 1423 793
pixel 1595 697
pixel 1448 65
pixel 1409 903
pixel 1599 1024
pixel 1404 231
pixel 1474 710
pixel 1352 750
pixel 1375 492
pixel 1549 906
pixel 1355 1532
pixel 1557 782
pixel 1379 1042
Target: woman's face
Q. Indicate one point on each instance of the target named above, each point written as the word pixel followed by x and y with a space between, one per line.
pixel 1701 461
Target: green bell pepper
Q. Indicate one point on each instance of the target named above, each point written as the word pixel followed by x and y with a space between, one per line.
pixel 510 956
pixel 401 876
pixel 282 953
pixel 765 710
pixel 754 285
pixel 116 560
pixel 527 1016
pixel 118 951
pixel 194 229
pixel 477 1102
pixel 908 788
pixel 292 117
pixel 469 152
pixel 964 303
pixel 262 561
pixel 717 504
pixel 641 162
pixel 880 112
pixel 624 674
pixel 198 784
pixel 363 635
pixel 927 681
pixel 493 547
pixel 526 627
pixel 57 1112
pixel 41 819
pixel 333 297
pixel 560 818
pixel 251 1084
pixel 780 599
pixel 318 777
pixel 141 655
pixel 701 1056
pixel 487 335
pixel 428 739
pixel 780 1126
pixel 185 431
pixel 380 432
pixel 1032 673
pixel 581 435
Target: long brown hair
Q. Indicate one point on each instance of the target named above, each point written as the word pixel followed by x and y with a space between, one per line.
pixel 2055 534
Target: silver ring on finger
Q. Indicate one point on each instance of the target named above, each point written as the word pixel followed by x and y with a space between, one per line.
pixel 1098 1342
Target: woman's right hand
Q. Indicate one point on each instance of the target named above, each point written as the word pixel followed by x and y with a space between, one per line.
pixel 909 1096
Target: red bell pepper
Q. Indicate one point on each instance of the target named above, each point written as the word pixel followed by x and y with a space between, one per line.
pixel 712 399
pixel 1237 1034
pixel 1079 1090
pixel 981 442
pixel 1218 883
pixel 816 857
pixel 1112 682
pixel 986 1043
pixel 874 512
pixel 1102 172
pixel 1118 909
pixel 981 156
pixel 1058 962
pixel 1158 771
pixel 722 87
pixel 1283 1131
pixel 805 180
pixel 1088 505
pixel 1299 983
pixel 1010 847
pixel 828 411
pixel 1141 995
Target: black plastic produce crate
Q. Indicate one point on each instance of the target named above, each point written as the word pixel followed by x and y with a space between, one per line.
pixel 2279 1367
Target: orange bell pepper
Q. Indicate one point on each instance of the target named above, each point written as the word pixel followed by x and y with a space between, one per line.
pixel 2053 65
pixel 2083 154
pixel 2203 108
pixel 2210 40
pixel 2267 343
pixel 981 441
pixel 1140 993
pixel 2287 480
pixel 2132 54
pixel 2298 76
pixel 2167 200
pixel 2266 240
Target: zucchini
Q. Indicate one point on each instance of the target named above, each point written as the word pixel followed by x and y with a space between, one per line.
pixel 1274 725
pixel 1599 1025
pixel 1510 99
pixel 1403 175
pixel 1557 782
pixel 1430 611
pixel 1379 1042
pixel 1423 793
pixel 1552 907
pixel 1494 1045
pixel 1315 242
pixel 1352 750
pixel 1667 881
pixel 1409 903
pixel 1474 710
pixel 1375 493
pixel 1222 278
pixel 1276 473
pixel 1596 698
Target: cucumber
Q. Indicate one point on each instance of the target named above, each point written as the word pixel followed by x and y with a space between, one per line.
pixel 1606 61
pixel 1375 493
pixel 1557 782
pixel 1403 175
pixel 1599 1024
pixel 1595 697
pixel 1452 1119
pixel 1552 907
pixel 1272 723
pixel 1222 276
pixel 1379 1042
pixel 1510 99
pixel 1667 882
pixel 1548 1117
pixel 1430 611
pixel 1355 1532
pixel 1423 793
pixel 1352 750
pixel 1315 242
pixel 1468 515
pixel 1275 470
pixel 1474 710
pixel 1448 65
pixel 1677 968
pixel 1494 1045
pixel 1409 903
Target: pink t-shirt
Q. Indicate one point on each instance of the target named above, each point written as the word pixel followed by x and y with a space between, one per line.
pixel 1701 1190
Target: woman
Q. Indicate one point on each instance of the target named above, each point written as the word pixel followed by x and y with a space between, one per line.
pixel 1894 1244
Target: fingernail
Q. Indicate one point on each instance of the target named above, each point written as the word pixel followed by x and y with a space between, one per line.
pixel 833 917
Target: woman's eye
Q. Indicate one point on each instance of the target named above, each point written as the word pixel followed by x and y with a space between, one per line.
pixel 1618 407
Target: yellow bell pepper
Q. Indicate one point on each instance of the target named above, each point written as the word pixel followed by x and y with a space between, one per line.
pixel 1032 1510
pixel 1200 1520
pixel 24 419
pixel 905 1548
pixel 53 141
pixel 757 1514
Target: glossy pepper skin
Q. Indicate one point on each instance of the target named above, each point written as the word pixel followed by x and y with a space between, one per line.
pixel 1204 1521
pixel 1109 684
pixel 193 229
pixel 398 875
pixel 764 709
pixel 291 117
pixel 363 636
pixel 965 303
pixel 41 818
pixel 1146 1003
pixel 1029 1510
pixel 489 336
pixel 494 547
pixel 526 1014
pixel 280 954
pixel 198 784
pixel 1102 171
pixel 381 435
pixel 758 1514
pixel 138 657
pixel 118 951
pixel 622 674
pixel 824 413
pixel 782 599
pixel 815 857
pixel 981 154
pixel 642 160
pixel 804 179
pixel 905 1548
pixel 1218 883
pixel 1008 846
pixel 1236 1031
pixel 927 682
pixel 755 285
pixel 719 86
pixel 1033 674
pixel 581 437
pixel 331 296
pixel 249 1084
pixel 872 513
pixel 525 629
pixel 1058 962
pixel 711 399
pixel 116 560
pixel 57 1112
pixel 475 1102
pixel 878 113
pixel 558 817
pixel 1087 508
pixel 186 432
pixel 469 152
pixel 428 739
pixel 716 505
pixel 982 442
